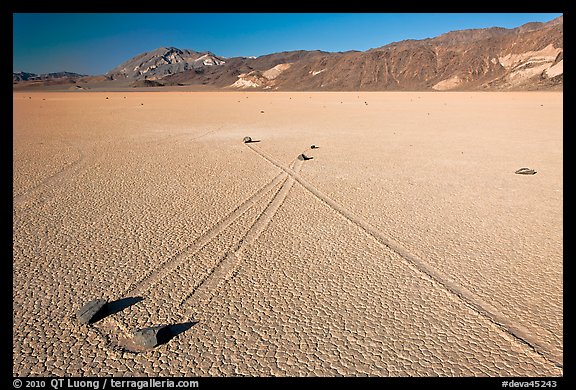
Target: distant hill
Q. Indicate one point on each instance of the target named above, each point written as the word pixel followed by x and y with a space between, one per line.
pixel 24 76
pixel 528 57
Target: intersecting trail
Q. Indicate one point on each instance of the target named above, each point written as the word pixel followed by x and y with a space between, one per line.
pixel 201 296
pixel 203 291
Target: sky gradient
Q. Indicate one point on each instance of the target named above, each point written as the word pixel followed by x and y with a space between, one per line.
pixel 92 43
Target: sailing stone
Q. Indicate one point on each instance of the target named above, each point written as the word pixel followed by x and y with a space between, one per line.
pixel 89 311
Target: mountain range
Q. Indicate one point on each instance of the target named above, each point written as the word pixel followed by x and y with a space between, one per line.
pixel 528 57
pixel 25 76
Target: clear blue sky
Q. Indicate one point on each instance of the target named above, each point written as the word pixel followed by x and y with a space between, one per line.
pixel 92 43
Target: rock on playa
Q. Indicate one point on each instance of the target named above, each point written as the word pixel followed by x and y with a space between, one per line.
pixel 151 336
pixel 525 171
pixel 89 311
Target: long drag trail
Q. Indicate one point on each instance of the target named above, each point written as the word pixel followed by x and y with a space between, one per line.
pixel 163 268
pixel 203 290
pixel 39 192
pixel 519 332
pixel 24 199
pixel 225 270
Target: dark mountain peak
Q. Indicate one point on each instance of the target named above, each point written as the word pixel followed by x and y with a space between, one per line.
pixel 23 76
pixel 168 50
pixel 162 62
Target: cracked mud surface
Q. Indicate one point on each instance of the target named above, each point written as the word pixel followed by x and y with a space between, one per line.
pixel 406 247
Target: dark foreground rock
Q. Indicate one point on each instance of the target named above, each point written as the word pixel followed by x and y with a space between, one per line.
pixel 151 336
pixel 91 311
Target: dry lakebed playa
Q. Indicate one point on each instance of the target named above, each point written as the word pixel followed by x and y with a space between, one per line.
pixel 403 245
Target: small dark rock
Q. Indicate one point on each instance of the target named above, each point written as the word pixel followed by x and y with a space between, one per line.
pixel 261 112
pixel 314 147
pixel 525 171
pixel 247 139
pixel 106 97
pixel 90 311
pixel 151 336
pixel 303 157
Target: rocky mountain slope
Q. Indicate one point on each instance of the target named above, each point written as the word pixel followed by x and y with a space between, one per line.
pixel 162 62
pixel 529 57
pixel 526 57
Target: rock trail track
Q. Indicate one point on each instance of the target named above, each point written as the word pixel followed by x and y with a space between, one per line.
pixel 521 333
pixel 200 294
pixel 41 191
pixel 282 281
pixel 171 272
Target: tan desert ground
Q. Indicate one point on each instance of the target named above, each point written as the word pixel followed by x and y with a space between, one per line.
pixel 406 246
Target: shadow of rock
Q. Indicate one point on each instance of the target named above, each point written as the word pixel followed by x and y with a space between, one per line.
pixel 176 329
pixel 116 306
pixel 156 335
